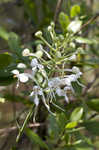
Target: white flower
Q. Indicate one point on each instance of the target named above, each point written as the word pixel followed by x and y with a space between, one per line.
pixel 54 82
pixel 37 91
pixel 62 92
pixel 72 58
pixel 21 65
pixel 22 77
pixel 75 70
pixel 34 62
pixel 35 65
pixel 16 72
pixel 74 26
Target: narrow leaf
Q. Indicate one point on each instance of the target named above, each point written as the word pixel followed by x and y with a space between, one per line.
pixel 76 114
pixel 35 138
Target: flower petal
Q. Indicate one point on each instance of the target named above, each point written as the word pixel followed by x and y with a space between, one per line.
pixel 34 62
pixel 16 72
pixel 23 77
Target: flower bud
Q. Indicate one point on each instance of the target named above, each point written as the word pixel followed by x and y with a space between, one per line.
pixel 38 34
pixel 21 65
pixel 72 45
pixel 49 28
pixel 73 58
pixel 53 24
pixel 26 52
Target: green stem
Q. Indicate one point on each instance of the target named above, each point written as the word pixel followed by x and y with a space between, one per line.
pixel 24 124
pixel 48 44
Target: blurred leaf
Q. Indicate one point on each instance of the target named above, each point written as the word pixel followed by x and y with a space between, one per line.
pixel 14 43
pixel 5 60
pixel 4 34
pixel 92 127
pixel 35 138
pixel 75 10
pixel 83 146
pixel 77 88
pixel 5 81
pixel 93 104
pixel 16 98
pixel 80 146
pixel 6 77
pixel 85 40
pixel 62 119
pixel 92 61
pixel 64 21
pixel 31 10
pixel 76 114
pixel 72 124
pixel 53 128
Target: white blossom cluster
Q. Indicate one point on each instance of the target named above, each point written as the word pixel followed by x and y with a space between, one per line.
pixel 51 86
pixel 56 86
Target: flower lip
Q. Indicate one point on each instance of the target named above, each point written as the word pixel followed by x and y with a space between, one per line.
pixel 23 77
pixel 34 62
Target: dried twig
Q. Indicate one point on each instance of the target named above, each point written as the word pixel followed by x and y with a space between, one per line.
pixel 11 129
pixel 87 23
pixel 58 7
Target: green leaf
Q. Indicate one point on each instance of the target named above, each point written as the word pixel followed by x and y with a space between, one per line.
pixel 54 128
pixel 64 21
pixel 93 104
pixel 5 81
pixel 76 114
pixel 72 124
pixel 92 127
pixel 77 88
pixel 4 34
pixel 75 10
pixel 92 61
pixel 5 60
pixel 35 138
pixel 85 40
pixel 17 98
pixel 31 10
pixel 83 146
pixel 14 42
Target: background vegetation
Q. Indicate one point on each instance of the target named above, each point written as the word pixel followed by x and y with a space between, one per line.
pixel 78 127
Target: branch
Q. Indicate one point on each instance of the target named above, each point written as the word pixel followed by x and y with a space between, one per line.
pixel 10 129
pixel 58 7
pixel 87 23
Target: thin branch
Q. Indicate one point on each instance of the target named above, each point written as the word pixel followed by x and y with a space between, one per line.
pixel 11 129
pixel 87 23
pixel 90 84
pixel 58 7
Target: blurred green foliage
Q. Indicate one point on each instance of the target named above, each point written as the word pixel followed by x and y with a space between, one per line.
pixel 75 128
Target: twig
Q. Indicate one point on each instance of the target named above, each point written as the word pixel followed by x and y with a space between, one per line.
pixel 87 23
pixel 90 84
pixel 10 129
pixel 58 7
